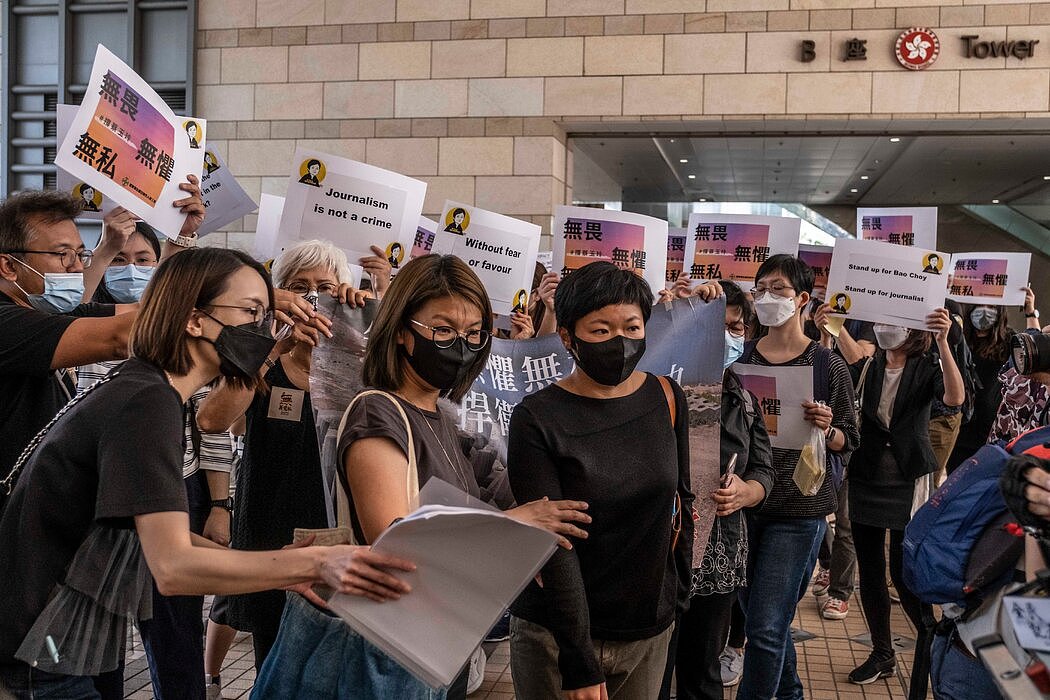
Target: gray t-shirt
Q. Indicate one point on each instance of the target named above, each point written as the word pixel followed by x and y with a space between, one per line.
pixel 439 450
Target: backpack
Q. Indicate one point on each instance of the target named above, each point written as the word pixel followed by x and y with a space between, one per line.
pixel 821 392
pixel 960 545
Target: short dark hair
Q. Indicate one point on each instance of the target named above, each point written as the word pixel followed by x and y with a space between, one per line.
pixel 193 124
pixel 457 211
pixel 595 286
pixel 420 280
pixel 18 211
pixel 191 280
pixel 797 272
pixel 313 161
pixel 840 295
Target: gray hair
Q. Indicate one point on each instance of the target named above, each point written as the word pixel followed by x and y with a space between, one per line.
pixel 308 255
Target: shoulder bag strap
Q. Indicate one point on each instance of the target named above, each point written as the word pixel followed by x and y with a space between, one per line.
pixel 8 484
pixel 411 479
pixel 676 512
pixel 672 405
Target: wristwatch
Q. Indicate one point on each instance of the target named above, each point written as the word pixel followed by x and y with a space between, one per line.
pixel 186 241
pixel 224 503
pixel 1034 314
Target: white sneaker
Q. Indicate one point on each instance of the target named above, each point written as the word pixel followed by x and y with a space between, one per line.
pixel 476 673
pixel 732 666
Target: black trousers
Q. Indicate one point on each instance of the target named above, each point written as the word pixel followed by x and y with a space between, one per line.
pixel 870 542
pixel 696 645
pixel 174 638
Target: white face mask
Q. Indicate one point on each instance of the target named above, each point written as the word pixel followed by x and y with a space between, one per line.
pixel 774 310
pixel 890 337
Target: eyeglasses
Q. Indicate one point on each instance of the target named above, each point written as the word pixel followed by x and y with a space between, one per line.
pixel 69 256
pixel 777 289
pixel 301 288
pixel 445 336
pixel 737 330
pixel 261 316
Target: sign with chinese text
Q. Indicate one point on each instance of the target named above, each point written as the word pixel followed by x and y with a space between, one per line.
pixel 684 340
pixel 125 141
pixel 989 278
pixel 354 205
pixel 224 198
pixel 424 239
pixel 819 258
pixel 631 241
pixel 912 226
pixel 780 392
pixel 675 255
pixel 891 284
pixel 733 246
pixel 499 249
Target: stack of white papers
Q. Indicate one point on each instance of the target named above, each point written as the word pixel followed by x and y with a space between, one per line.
pixel 471 564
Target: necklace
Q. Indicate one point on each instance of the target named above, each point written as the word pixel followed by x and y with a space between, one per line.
pixel 456 470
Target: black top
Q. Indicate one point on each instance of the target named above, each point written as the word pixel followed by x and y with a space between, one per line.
pixel 743 432
pixel 114 455
pixel 974 432
pixel 625 459
pixel 32 392
pixel 435 438
pixel 909 430
pixel 279 488
pixel 786 501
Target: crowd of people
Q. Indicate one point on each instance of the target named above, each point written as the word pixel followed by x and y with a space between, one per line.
pixel 147 464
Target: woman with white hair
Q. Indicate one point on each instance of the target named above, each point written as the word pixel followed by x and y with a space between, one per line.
pixel 279 480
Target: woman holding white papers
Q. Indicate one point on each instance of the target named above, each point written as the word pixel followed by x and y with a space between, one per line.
pixel 430 339
pixel 891 474
pixel 600 624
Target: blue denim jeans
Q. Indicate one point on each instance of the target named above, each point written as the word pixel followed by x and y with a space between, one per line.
pixel 27 683
pixel 782 554
pixel 955 676
pixel 317 655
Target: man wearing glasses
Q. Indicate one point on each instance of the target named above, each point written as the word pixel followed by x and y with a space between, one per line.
pixel 45 326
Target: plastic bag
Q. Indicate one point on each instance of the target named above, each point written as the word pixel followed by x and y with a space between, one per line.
pixel 812 464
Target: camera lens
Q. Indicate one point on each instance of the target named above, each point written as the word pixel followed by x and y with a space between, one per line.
pixel 1031 352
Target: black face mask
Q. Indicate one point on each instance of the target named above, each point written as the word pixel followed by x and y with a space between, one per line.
pixel 609 362
pixel 242 349
pixel 441 368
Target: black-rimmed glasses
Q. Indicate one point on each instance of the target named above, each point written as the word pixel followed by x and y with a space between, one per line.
pixel 445 336
pixel 261 316
pixel 69 256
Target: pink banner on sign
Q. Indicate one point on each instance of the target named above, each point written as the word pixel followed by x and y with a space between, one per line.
pixel 729 251
pixel 979 278
pixel 765 390
pixel 892 229
pixel 591 241
pixel 675 257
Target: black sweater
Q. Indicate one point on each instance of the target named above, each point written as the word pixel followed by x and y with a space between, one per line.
pixel 623 457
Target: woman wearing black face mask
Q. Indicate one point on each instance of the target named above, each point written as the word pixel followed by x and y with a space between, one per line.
pixel 605 434
pixel 429 339
pixel 279 479
pixel 99 504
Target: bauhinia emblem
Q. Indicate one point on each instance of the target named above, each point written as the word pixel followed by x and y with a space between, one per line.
pixel 917 48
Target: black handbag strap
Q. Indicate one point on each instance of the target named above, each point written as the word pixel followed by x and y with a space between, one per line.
pixel 8 484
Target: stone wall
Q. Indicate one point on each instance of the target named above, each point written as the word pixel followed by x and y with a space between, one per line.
pixel 476 96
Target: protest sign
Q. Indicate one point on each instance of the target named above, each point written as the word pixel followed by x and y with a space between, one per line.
pixel 266 245
pixel 424 239
pixel 631 241
pixel 224 198
pixel 990 278
pixel 94 200
pixel 908 226
pixel 675 255
pixel 125 141
pixel 499 249
pixel 684 340
pixel 780 392
pixel 353 205
pixel 898 285
pixel 733 246
pixel 819 258
pixel 545 258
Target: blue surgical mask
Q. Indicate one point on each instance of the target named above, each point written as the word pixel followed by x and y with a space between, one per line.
pixel 63 291
pixel 126 283
pixel 734 350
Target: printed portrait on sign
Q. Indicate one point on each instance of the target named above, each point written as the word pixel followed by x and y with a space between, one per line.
pixel 932 264
pixel 457 221
pixel 395 254
pixel 91 197
pixel 193 130
pixel 840 303
pixel 311 172
pixel 211 163
pixel 521 301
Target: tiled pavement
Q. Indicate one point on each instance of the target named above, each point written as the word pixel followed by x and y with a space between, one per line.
pixel 823 662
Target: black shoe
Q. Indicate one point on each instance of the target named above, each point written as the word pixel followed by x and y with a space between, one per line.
pixel 872 670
